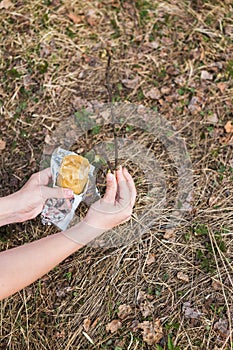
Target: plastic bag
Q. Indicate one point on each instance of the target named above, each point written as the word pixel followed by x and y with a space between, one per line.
pixel 60 212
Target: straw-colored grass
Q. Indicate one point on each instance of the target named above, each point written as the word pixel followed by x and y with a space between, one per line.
pixel 176 58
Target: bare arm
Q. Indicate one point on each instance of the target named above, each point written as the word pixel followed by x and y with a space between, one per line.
pixel 23 265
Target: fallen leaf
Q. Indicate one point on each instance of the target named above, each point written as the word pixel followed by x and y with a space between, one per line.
pixel 86 324
pixel 150 259
pixel 212 118
pixel 228 127
pixel 216 285
pixel 152 331
pixel 5 4
pixel 134 325
pixel 124 311
pixel 95 323
pixel 222 86
pixel 145 306
pixel 189 312
pixel 165 90
pixel 76 19
pixel 170 234
pixel 131 83
pixel 113 326
pixel 153 93
pixel 182 276
pixel 194 104
pixel 206 75
pixel 2 145
pixel 153 44
pixel 91 18
pixel 222 327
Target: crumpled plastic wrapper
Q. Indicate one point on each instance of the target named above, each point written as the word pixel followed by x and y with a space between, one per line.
pixel 60 212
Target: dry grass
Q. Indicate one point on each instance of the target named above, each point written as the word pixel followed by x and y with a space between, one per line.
pixel 52 67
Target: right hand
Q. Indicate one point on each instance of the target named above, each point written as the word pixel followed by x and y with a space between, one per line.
pixel 117 204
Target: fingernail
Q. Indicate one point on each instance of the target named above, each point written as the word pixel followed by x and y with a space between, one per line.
pixel 119 167
pixel 68 192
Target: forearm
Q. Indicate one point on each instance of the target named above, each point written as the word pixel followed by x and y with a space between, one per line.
pixel 23 265
pixel 8 210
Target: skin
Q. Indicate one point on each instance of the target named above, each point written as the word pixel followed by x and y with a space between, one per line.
pixel 23 265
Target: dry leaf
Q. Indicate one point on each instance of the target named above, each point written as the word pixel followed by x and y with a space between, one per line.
pixel 113 326
pixel 5 4
pixel 206 75
pixel 212 118
pixel 195 104
pixel 222 327
pixel 2 145
pixel 222 87
pixel 91 18
pixel 86 324
pixel 95 323
pixel 131 83
pixel 228 127
pixel 189 312
pixel 182 276
pixel 145 306
pixel 152 331
pixel 150 259
pixel 216 285
pixel 124 311
pixel 170 234
pixel 153 93
pixel 153 44
pixel 76 19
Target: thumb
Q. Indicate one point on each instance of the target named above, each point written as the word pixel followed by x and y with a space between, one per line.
pixel 57 192
pixel 111 190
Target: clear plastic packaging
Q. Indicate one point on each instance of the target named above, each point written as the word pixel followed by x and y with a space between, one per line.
pixel 61 212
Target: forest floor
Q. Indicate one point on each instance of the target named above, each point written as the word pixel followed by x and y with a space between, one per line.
pixel 167 288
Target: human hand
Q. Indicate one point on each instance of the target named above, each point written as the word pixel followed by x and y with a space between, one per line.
pixel 30 199
pixel 113 209
pixel 116 205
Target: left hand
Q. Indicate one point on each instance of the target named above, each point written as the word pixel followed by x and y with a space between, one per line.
pixel 30 199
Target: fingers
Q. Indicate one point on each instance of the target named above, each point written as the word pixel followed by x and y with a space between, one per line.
pixel 123 188
pixel 131 185
pixel 111 190
pixel 56 192
pixel 44 176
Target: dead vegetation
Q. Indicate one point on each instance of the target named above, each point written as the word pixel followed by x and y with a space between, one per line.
pixel 166 289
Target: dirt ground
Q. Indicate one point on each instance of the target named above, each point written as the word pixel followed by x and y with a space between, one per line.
pixel 169 289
